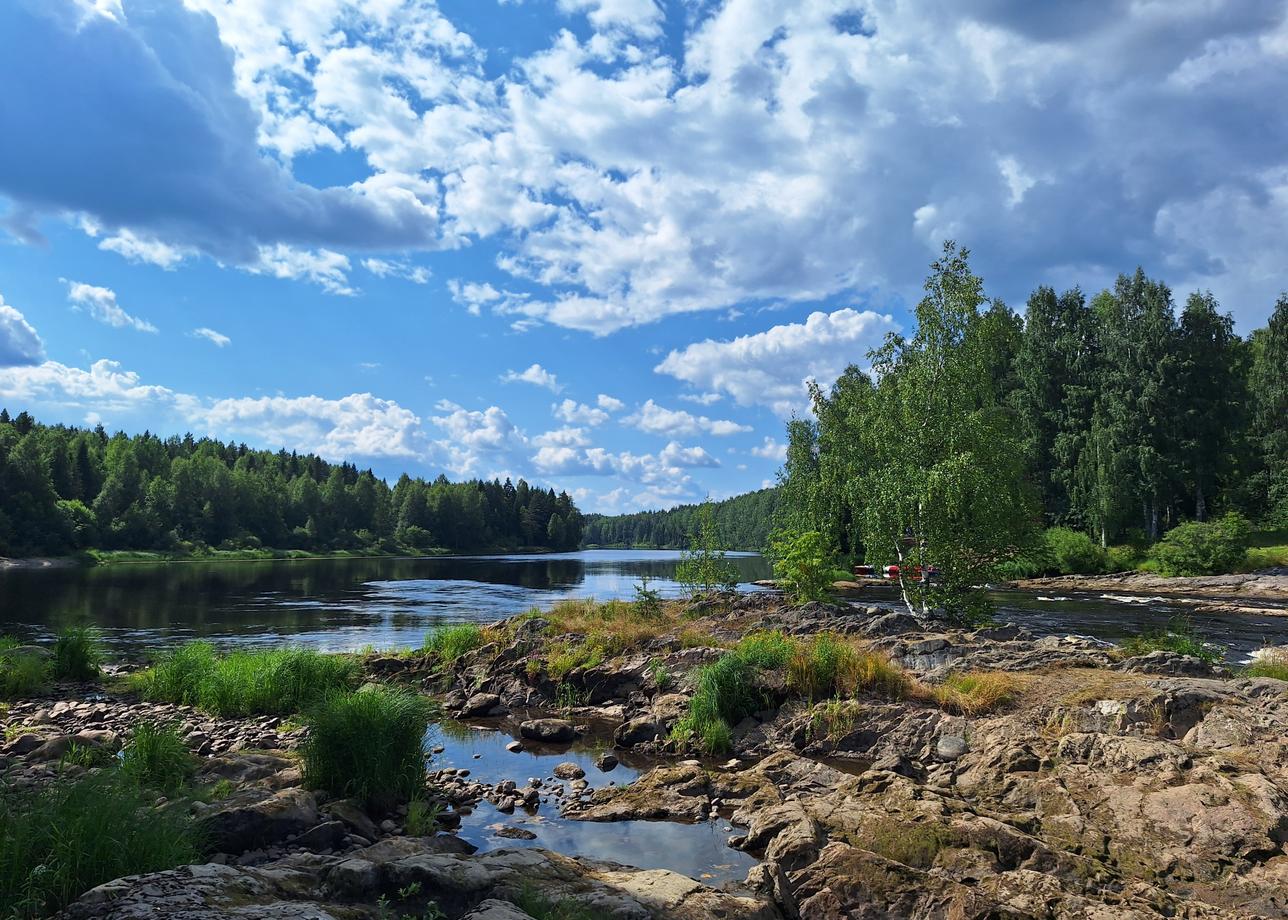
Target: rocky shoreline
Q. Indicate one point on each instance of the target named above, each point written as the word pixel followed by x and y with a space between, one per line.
pixel 1104 786
pixel 1261 586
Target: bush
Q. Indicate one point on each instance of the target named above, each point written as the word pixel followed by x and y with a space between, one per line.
pixel 69 837
pixel 703 568
pixel 157 756
pixel 1211 548
pixel 367 745
pixel 1072 552
pixel 77 654
pixel 22 674
pixel 1179 637
pixel 451 642
pixel 803 564
pixel 262 682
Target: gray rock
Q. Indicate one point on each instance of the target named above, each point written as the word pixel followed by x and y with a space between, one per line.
pixel 950 747
pixel 637 731
pixel 240 825
pixel 568 770
pixel 325 836
pixel 548 730
pixel 353 816
pixel 492 909
pixel 481 704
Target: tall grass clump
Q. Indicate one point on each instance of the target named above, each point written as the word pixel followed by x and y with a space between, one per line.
pixel 157 756
pixel 973 693
pixel 1179 637
pixel 1269 663
pixel 59 842
pixel 22 674
pixel 449 643
pixel 539 906
pixel 727 691
pixel 247 683
pixel 367 745
pixel 77 654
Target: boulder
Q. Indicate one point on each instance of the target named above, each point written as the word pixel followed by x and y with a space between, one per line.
pixel 637 731
pixel 568 770
pixel 482 704
pixel 551 731
pixel 239 824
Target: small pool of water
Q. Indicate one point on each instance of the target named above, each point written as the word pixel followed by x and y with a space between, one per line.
pixel 700 851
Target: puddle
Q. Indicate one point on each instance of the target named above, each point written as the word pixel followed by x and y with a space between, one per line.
pixel 699 851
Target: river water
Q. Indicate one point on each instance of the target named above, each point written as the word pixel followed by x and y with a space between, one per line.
pixel 344 604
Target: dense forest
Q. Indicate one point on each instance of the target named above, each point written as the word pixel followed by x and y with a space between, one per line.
pixel 65 488
pixel 741 522
pixel 1130 417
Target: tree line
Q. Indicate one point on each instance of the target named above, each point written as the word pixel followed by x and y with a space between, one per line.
pixel 67 488
pixel 742 522
pixel 1126 417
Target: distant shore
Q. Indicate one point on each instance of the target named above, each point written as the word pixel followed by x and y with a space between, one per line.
pixel 94 558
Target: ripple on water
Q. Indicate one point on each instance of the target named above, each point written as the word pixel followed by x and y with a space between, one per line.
pixel 699 851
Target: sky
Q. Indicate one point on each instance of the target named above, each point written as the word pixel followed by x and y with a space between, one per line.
pixel 600 244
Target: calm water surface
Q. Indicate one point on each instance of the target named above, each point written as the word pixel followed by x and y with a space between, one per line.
pixel 340 604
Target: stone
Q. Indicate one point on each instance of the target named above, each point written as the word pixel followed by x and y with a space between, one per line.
pixel 481 704
pixel 514 747
pixel 606 762
pixel 510 832
pixel 324 836
pixel 239 824
pixel 950 747
pixel 636 731
pixel 568 770
pixel 353 816
pixel 551 731
pixel 493 909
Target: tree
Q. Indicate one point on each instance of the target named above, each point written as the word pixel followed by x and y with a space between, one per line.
pixel 703 567
pixel 944 479
pixel 1269 398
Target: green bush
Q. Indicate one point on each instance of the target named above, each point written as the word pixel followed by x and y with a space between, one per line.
pixel 817 666
pixel 1271 663
pixel 1072 552
pixel 59 842
pixel 247 683
pixel 77 654
pixel 22 674
pixel 1210 548
pixel 367 745
pixel 703 567
pixel 803 564
pixel 451 642
pixel 157 756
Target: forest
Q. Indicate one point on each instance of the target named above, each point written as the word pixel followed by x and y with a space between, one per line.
pixel 64 489
pixel 742 522
pixel 1127 417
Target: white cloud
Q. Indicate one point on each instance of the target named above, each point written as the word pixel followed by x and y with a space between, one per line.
pixel 210 335
pixel 771 450
pixel 702 399
pixel 19 343
pixel 100 303
pixel 654 419
pixel 563 437
pixel 136 248
pixel 573 412
pixel 474 437
pixel 322 267
pixel 103 386
pixel 356 425
pixel 771 367
pixel 643 17
pixel 609 403
pixel 535 375
pixel 386 268
pixel 676 455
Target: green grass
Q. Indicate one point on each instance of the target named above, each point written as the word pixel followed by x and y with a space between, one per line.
pixel 727 691
pixel 246 683
pixel 367 745
pixel 157 756
pixel 22 675
pixel 69 837
pixel 422 818
pixel 1179 637
pixel 450 643
pixel 542 907
pixel 77 654
pixel 1273 663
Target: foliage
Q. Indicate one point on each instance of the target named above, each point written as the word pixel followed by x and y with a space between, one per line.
pixel 64 489
pixel 1269 663
pixel 76 654
pixel 422 818
pixel 541 907
pixel 743 520
pixel 816 666
pixel 157 756
pixel 449 643
pixel 68 837
pixel 1206 548
pixel 1072 552
pixel 367 745
pixel 22 674
pixel 803 564
pixel 246 683
pixel 648 601
pixel 973 693
pixel 703 568
pixel 1179 637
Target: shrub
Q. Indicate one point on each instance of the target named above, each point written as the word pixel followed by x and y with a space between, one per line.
pixel 22 674
pixel 1122 558
pixel 367 745
pixel 703 568
pixel 449 643
pixel 648 601
pixel 803 563
pixel 1072 552
pixel 422 818
pixel 77 654
pixel 727 691
pixel 59 842
pixel 157 756
pixel 1179 637
pixel 1210 548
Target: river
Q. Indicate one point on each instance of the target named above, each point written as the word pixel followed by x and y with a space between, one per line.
pixel 345 604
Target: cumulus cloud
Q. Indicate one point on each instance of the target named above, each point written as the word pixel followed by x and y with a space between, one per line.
pixel 387 268
pixel 325 268
pixel 574 412
pixel 654 419
pixel 103 386
pixel 770 449
pixel 215 338
pixel 356 425
pixel 609 403
pixel 535 375
pixel 771 367
pixel 19 343
pixel 100 303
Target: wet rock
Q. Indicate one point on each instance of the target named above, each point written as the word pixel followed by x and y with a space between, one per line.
pixel 482 704
pixel 568 770
pixel 514 747
pixel 606 762
pixel 636 731
pixel 510 832
pixel 239 825
pixel 548 730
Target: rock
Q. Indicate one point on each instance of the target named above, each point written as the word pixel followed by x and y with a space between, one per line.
pixel 1167 662
pixel 606 762
pixel 510 832
pixel 481 704
pixel 551 731
pixel 892 624
pixel 353 816
pixel 239 825
pixel 636 731
pixel 514 747
pixel 568 770
pixel 24 743
pixel 492 909
pixel 325 836
pixel 950 747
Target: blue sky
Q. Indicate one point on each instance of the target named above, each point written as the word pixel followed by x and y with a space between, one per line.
pixel 597 243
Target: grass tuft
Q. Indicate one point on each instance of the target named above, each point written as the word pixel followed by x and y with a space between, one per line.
pixel 542 907
pixel 1179 636
pixel 367 745
pixel 157 756
pixel 974 693
pixel 449 643
pixel 22 674
pixel 77 654
pixel 1269 663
